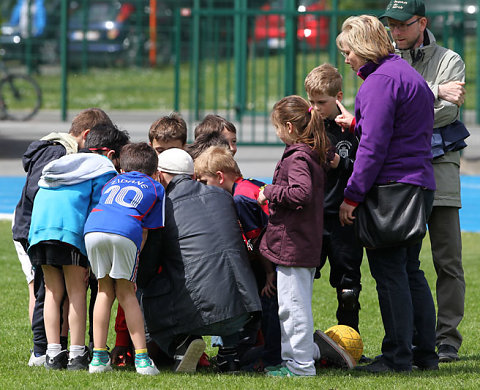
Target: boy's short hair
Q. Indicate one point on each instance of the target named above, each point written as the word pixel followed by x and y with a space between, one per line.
pixel 168 128
pixel 106 136
pixel 140 157
pixel 213 123
pixel 87 119
pixel 214 159
pixel 204 141
pixel 323 80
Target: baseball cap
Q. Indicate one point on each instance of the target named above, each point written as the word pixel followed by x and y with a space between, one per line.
pixel 176 161
pixel 404 9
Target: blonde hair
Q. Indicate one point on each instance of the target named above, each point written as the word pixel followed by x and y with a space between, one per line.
pixel 307 124
pixel 323 80
pixel 214 159
pixel 366 36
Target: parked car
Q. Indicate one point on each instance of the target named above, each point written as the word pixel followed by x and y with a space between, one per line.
pixel 312 30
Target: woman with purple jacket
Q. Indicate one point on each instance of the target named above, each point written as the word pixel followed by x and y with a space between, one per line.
pixel 394 121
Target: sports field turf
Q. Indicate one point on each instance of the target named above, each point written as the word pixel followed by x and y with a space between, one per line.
pixel 15 341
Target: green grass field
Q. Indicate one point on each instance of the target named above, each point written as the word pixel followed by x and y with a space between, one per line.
pixel 15 341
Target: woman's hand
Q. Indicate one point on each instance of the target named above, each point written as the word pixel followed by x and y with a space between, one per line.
pixel 270 288
pixel 346 214
pixel 345 118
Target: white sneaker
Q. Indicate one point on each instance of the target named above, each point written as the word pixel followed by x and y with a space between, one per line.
pixel 146 367
pixel 36 361
pixel 96 365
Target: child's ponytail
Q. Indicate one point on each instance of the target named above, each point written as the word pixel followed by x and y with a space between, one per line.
pixel 308 124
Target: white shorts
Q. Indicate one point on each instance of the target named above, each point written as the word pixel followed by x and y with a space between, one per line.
pixel 113 255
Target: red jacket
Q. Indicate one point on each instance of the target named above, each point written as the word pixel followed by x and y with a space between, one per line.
pixel 295 225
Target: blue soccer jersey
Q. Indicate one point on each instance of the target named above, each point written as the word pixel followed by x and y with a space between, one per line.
pixel 129 203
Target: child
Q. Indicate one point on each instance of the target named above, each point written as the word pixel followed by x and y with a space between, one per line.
pixel 69 188
pixel 292 239
pixel 324 87
pixel 217 167
pixel 168 132
pixel 215 124
pixel 115 233
pixel 38 154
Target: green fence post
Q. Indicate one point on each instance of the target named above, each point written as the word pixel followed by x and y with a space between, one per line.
pixel 291 7
pixel 28 39
pixel 85 8
pixel 240 56
pixel 139 26
pixel 177 39
pixel 63 57
pixel 333 28
pixel 196 59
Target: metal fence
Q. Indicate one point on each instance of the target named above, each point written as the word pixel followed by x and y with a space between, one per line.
pixel 235 58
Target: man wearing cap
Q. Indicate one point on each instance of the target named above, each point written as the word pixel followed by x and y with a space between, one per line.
pixel 206 285
pixel 444 71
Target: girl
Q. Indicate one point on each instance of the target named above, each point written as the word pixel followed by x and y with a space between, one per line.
pixel 293 238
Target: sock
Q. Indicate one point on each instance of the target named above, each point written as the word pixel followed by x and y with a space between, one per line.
pixel 64 342
pixel 76 350
pixel 140 354
pixel 53 350
pixel 101 353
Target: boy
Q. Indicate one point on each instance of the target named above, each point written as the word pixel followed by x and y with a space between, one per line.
pixel 215 124
pixel 324 86
pixel 69 187
pixel 134 201
pixel 217 167
pixel 38 154
pixel 168 132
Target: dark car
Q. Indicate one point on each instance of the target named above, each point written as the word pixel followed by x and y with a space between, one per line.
pixel 312 30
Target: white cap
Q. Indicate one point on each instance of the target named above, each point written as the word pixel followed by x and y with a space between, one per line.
pixel 176 161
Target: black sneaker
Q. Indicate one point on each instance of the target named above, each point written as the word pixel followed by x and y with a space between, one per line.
pixel 447 353
pixel 58 362
pixel 79 362
pixel 188 354
pixel 331 352
pixel 228 360
pixel 378 366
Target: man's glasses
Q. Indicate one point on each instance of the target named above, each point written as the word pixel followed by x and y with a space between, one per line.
pixel 403 26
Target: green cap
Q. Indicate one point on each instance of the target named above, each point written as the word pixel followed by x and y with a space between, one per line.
pixel 404 9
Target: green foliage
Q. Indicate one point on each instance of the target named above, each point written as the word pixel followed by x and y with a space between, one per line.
pixel 15 341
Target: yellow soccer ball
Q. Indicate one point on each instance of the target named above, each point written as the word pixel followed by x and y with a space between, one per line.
pixel 348 338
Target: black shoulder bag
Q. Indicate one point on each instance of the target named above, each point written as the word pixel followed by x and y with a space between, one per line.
pixel 391 215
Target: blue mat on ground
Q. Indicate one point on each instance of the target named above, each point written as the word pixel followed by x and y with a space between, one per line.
pixel 11 189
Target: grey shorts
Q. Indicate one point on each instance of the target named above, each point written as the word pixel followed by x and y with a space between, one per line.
pixel 113 255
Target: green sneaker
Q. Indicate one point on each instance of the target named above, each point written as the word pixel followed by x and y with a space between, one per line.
pixel 283 372
pixel 96 365
pixel 273 368
pixel 145 366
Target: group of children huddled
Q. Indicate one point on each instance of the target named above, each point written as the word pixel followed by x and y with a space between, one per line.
pixel 91 198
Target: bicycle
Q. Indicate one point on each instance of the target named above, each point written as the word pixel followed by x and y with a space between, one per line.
pixel 20 95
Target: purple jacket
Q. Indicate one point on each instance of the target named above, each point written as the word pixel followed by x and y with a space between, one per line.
pixel 394 121
pixel 295 226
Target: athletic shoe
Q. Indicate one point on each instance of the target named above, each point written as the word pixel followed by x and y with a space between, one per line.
pixel 58 362
pixel 36 361
pixel 228 360
pixel 447 353
pixel 188 354
pixel 282 372
pixel 96 365
pixel 146 366
pixel 79 362
pixel 332 352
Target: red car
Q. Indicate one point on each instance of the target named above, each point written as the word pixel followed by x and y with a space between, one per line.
pixel 312 30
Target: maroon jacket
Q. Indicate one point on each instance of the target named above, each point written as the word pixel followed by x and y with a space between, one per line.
pixel 295 225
